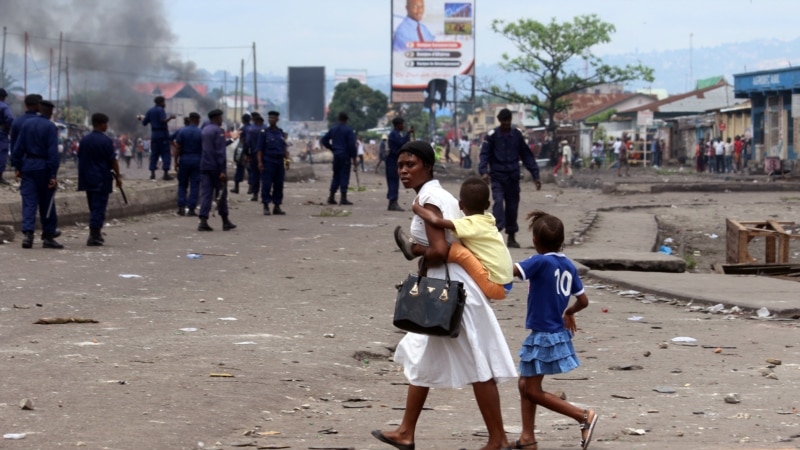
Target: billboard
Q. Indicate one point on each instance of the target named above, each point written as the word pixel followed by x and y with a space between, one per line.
pixel 307 94
pixel 431 40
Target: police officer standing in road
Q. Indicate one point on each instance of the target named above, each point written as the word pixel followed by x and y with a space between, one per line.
pixel 35 157
pixel 502 150
pixel 157 118
pixel 252 134
pixel 188 148
pixel 214 172
pixel 6 119
pixel 96 160
pixel 271 156
pixel 239 155
pixel 396 141
pixel 341 140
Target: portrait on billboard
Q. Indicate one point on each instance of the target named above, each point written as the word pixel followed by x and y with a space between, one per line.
pixel 431 40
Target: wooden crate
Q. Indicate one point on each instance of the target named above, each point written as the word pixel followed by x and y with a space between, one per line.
pixel 740 233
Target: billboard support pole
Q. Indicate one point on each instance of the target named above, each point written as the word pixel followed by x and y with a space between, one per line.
pixel 455 109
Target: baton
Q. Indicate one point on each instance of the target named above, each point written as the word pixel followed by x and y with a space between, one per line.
pixel 52 203
pixel 124 197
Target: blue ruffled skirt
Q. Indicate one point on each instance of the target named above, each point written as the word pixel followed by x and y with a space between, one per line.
pixel 545 353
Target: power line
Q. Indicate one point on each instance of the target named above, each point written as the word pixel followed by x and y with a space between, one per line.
pixel 144 47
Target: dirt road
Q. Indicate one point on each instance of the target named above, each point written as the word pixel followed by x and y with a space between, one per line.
pixel 288 342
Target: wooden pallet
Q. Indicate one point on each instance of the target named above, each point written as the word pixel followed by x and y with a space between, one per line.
pixel 740 233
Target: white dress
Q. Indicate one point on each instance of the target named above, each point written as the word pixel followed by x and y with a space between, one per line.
pixel 480 352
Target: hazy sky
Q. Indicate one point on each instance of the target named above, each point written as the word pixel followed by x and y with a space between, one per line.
pixel 355 34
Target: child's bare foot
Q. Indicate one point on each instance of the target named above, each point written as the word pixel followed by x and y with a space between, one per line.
pixel 587 427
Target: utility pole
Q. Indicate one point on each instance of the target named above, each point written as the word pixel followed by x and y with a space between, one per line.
pixel 255 79
pixel 3 60
pixel 236 112
pixel 691 80
pixel 222 97
pixel 66 68
pixel 58 76
pixel 455 109
pixel 241 92
pixel 50 82
pixel 25 76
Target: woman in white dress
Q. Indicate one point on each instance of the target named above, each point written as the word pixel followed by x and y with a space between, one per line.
pixel 479 355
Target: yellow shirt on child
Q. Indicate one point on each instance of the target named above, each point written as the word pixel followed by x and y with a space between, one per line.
pixel 479 234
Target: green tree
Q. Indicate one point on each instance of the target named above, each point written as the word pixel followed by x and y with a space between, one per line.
pixel 9 83
pixel 364 105
pixel 558 59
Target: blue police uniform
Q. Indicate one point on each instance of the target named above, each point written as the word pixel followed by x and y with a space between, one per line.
pixel 213 163
pixel 156 117
pixel 35 155
pixel 6 119
pixel 341 140
pixel 500 155
pixel 272 146
pixel 190 140
pixel 252 133
pixel 396 141
pixel 95 159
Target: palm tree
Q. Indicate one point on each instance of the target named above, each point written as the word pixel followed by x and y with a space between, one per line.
pixel 8 83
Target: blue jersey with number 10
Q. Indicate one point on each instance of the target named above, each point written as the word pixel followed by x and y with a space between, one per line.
pixel 552 280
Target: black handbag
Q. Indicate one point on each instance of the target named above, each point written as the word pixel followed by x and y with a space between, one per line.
pixel 430 306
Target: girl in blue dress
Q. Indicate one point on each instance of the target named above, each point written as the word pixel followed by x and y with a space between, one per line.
pixel 548 349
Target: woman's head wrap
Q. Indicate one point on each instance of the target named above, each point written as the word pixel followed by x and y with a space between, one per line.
pixel 421 150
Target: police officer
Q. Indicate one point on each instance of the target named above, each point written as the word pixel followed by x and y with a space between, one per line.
pixel 271 156
pixel 239 156
pixel 503 148
pixel 35 157
pixel 341 140
pixel 188 147
pixel 396 140
pixel 252 134
pixel 213 172
pixel 157 118
pixel 96 160
pixel 6 119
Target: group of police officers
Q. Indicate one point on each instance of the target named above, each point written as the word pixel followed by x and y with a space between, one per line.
pixel 201 162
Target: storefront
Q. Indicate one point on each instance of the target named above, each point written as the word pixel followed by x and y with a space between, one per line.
pixel 775 99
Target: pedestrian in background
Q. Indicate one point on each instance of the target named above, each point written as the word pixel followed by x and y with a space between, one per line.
pixel 213 172
pixel 396 141
pixel 503 148
pixel 158 120
pixel 272 157
pixel 96 161
pixel 188 151
pixel 341 140
pixel 6 119
pixel 35 157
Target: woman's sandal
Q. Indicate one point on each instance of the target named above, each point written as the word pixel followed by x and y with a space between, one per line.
pixel 530 445
pixel 587 427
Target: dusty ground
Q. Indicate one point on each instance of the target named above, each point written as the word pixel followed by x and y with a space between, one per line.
pixel 300 318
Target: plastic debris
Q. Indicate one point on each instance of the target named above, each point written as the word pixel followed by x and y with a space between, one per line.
pixel 194 256
pixel 733 398
pixel 713 236
pixel 14 436
pixel 668 241
pixel 665 250
pixel 129 275
pixel 228 318
pixel 635 318
pixel 634 431
pixel 188 330
pixel 684 339
pixel 664 390
pixel 762 312
pixel 716 308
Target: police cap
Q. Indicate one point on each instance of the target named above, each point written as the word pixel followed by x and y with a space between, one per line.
pixel 273 113
pixel 46 104
pixel 33 99
pixel 504 114
pixel 214 113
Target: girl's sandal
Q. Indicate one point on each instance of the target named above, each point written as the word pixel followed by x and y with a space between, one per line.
pixel 588 428
pixel 530 445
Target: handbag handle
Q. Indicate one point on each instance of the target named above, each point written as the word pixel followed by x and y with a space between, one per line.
pixel 446 269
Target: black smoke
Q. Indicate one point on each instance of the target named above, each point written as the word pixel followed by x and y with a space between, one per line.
pixel 111 45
